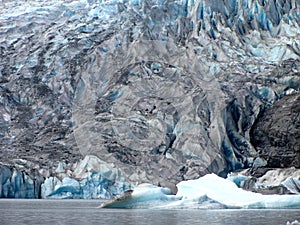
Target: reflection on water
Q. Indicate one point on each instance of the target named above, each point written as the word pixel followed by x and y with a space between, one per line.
pixel 73 212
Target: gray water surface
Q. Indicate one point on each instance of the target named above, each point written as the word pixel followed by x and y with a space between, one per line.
pixel 85 212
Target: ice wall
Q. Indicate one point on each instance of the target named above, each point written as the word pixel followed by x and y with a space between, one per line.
pixel 19 184
pixel 91 179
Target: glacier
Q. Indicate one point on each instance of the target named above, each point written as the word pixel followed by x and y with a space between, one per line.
pixel 207 192
pixel 161 91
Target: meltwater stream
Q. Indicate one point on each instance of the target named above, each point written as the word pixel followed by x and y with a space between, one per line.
pixel 73 212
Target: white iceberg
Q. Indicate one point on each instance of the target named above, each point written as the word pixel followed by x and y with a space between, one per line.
pixel 209 191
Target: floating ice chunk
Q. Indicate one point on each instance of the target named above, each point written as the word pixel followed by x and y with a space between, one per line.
pixel 143 196
pixel 227 193
pixel 217 188
pixel 209 191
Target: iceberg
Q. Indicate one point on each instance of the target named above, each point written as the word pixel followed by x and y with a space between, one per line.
pixel 209 191
pixel 143 196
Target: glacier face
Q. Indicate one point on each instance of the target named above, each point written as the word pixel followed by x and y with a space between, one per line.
pixel 19 184
pixel 91 179
pixel 209 191
pixel 164 90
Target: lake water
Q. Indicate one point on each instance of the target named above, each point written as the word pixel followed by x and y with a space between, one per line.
pixel 46 212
